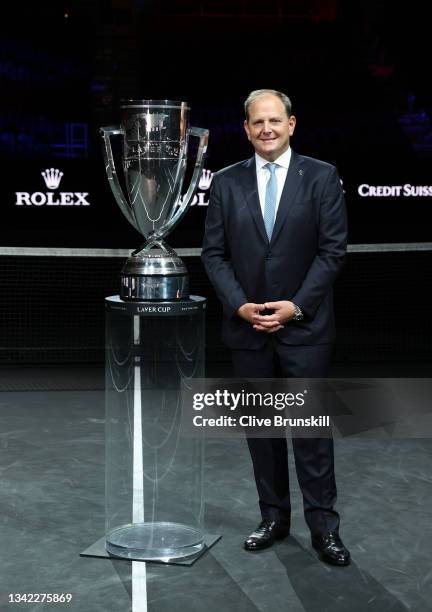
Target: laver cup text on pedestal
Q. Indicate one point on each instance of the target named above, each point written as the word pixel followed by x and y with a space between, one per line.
pixel 155 143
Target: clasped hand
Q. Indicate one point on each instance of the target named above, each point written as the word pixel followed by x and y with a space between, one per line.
pixel 283 312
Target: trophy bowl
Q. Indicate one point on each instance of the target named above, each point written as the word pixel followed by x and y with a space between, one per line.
pixel 155 137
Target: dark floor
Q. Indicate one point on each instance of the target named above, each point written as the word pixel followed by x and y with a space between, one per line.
pixel 52 508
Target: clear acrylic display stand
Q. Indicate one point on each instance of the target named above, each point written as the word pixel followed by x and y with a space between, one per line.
pixel 154 472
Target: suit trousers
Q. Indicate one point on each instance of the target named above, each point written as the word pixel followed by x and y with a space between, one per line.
pixel 314 459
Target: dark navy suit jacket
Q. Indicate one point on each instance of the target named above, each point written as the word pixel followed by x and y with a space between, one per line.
pixel 301 261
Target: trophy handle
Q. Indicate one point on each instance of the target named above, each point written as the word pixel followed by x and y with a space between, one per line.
pixel 106 133
pixel 203 135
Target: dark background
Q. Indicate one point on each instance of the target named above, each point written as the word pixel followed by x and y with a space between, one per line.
pixel 356 72
pixel 358 76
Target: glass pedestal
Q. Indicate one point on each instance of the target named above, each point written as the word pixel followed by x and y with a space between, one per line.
pixel 154 472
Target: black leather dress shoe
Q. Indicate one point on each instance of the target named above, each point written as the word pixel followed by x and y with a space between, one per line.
pixel 331 549
pixel 265 534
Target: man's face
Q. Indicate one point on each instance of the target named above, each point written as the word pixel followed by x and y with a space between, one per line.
pixel 269 128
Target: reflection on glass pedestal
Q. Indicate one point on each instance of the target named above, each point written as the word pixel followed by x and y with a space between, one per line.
pixel 154 473
pixel 155 541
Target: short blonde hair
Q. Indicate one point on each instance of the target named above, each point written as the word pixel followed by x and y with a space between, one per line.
pixel 262 92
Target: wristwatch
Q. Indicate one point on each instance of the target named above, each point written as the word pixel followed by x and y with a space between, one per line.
pixel 298 315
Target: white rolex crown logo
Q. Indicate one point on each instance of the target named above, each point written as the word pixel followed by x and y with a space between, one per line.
pixel 205 180
pixel 52 177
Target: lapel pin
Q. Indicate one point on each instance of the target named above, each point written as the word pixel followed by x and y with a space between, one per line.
pixel 301 172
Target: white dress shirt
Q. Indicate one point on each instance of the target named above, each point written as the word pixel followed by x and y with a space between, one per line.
pixel 263 175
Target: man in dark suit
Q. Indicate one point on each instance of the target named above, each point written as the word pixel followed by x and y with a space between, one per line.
pixel 275 240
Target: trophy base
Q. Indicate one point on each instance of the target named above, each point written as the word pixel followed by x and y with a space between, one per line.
pixel 147 288
pixel 154 273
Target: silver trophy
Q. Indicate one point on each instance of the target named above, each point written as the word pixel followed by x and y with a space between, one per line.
pixel 155 144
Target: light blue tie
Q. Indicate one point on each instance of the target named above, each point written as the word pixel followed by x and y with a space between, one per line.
pixel 270 199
